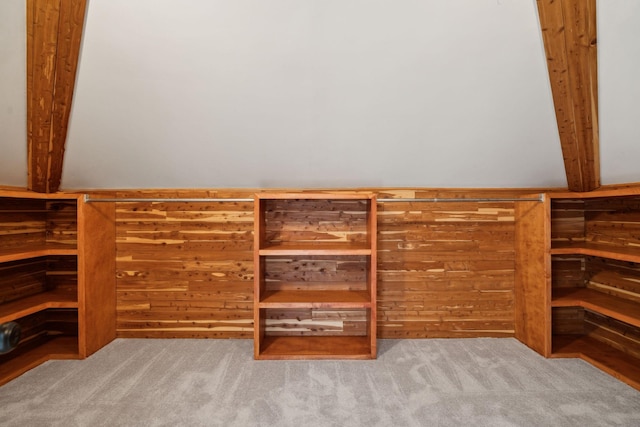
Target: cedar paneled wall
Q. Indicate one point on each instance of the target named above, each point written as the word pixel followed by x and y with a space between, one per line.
pixel 186 269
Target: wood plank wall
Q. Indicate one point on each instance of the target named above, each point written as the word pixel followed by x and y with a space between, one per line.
pixel 444 269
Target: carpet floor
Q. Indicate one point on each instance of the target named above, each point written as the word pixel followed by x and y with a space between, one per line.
pixel 428 382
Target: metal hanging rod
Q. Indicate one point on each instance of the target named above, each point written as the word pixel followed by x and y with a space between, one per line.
pixel 88 199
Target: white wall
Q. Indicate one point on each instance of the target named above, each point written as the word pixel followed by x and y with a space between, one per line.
pixel 13 90
pixel 619 90
pixel 310 93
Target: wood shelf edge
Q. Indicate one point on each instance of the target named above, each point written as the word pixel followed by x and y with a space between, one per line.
pixel 316 347
pixel 614 362
pixel 600 250
pixel 62 348
pixel 19 254
pixel 35 303
pixel 587 298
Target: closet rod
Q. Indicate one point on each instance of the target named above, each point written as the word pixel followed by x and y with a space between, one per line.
pixel 432 200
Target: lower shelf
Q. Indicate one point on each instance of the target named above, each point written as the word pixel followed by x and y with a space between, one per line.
pixel 24 359
pixel 316 347
pixel 624 367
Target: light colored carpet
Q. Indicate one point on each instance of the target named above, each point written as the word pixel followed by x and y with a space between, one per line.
pixel 430 382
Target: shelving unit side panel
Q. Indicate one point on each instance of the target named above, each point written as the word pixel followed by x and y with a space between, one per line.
pixel 533 275
pixel 96 276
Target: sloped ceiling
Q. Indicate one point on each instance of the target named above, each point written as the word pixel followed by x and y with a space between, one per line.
pixel 290 93
pixel 13 94
pixel 619 88
pixel 302 93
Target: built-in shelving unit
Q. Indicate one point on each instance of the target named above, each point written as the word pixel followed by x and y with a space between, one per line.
pixel 52 281
pixel 315 276
pixel 584 277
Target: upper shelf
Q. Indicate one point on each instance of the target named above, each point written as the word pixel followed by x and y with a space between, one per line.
pixel 603 250
pixel 20 253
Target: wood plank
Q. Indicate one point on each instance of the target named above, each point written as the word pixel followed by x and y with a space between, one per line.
pixel 569 35
pixel 54 32
pixel 533 276
pixel 25 306
pixel 42 35
pixel 603 250
pixel 617 308
pixel 60 347
pixel 292 347
pixel 316 299
pixel 614 362
pixel 16 254
pixel 320 248
pixel 97 274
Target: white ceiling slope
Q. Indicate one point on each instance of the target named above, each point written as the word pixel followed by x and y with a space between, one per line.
pixel 13 94
pixel 304 93
pixel 619 90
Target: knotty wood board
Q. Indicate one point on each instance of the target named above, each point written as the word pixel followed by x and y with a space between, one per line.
pixel 186 269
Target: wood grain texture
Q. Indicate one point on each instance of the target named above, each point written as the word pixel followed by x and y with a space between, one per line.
pixel 54 33
pixel 569 35
pixel 97 273
pixel 444 269
pixel 595 285
pixel 533 276
pixel 184 269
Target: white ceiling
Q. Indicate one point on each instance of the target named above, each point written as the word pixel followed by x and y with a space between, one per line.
pixel 302 93
pixel 619 90
pixel 331 93
pixel 13 94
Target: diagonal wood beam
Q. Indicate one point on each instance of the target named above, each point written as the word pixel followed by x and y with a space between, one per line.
pixel 54 32
pixel 569 35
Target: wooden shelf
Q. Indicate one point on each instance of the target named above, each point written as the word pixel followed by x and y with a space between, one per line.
pixel 622 366
pixel 315 299
pixel 17 254
pixel 602 250
pixel 320 248
pixel 332 227
pixel 35 303
pixel 57 245
pixel 314 347
pixel 608 305
pixel 59 347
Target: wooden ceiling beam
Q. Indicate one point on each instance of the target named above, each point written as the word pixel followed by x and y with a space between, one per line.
pixel 569 35
pixel 54 33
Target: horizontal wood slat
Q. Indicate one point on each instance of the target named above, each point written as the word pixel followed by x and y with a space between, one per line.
pixel 186 269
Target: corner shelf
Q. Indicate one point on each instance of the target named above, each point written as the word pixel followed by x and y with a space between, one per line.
pixel 594 256
pixel 52 280
pixel 315 276
pixel 617 308
pixel 611 360
pixel 29 305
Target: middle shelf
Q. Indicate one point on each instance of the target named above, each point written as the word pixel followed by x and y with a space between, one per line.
pixel 599 302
